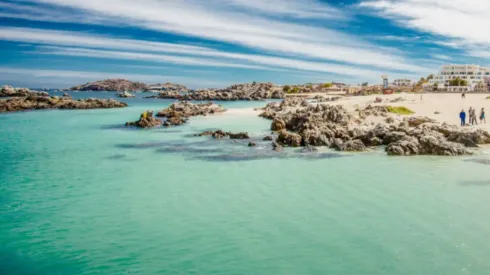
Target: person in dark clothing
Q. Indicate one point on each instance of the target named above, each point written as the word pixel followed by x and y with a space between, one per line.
pixel 463 95
pixel 462 116
pixel 482 116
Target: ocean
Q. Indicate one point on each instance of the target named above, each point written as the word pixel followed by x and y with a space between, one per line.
pixel 82 194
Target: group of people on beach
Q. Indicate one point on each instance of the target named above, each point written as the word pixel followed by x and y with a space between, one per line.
pixel 472 117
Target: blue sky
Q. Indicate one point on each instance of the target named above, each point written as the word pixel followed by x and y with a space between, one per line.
pixel 214 43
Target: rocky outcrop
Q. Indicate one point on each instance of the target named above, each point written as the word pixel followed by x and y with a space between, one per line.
pixel 146 120
pixel 66 95
pixel 41 102
pixel 167 87
pixel 254 91
pixel 179 112
pixel 8 91
pixel 111 85
pixel 332 126
pixel 125 95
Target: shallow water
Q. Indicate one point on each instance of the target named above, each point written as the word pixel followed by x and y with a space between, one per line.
pixel 79 194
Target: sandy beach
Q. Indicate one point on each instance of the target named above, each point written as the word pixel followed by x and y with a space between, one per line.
pixel 448 106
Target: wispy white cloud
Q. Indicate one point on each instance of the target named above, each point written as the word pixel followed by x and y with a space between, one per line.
pixel 462 24
pixel 215 21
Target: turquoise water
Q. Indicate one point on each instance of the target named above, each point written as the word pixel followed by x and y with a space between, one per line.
pixel 79 194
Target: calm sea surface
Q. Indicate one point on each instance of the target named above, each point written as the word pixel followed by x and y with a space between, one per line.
pixel 79 194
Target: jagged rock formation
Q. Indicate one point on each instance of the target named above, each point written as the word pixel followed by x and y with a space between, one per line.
pixel 146 120
pixel 179 112
pixel 113 85
pixel 8 91
pixel 54 102
pixel 333 126
pixel 254 91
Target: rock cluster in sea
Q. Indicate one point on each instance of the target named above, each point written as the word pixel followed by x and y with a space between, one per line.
pixel 146 120
pixel 32 102
pixel 8 91
pixel 219 134
pixel 333 126
pixel 254 91
pixel 177 114
pixel 111 85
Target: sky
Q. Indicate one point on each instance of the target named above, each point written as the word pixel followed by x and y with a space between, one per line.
pixel 215 43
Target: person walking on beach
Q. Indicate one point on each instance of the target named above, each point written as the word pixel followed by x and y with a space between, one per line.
pixel 462 116
pixel 482 116
pixel 463 95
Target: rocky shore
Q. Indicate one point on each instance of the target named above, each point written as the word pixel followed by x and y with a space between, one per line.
pixel 118 85
pixel 301 124
pixel 41 102
pixel 254 91
pixel 176 114
pixel 8 91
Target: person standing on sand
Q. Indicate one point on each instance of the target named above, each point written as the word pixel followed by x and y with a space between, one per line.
pixel 482 116
pixel 470 112
pixel 463 95
pixel 473 117
pixel 462 116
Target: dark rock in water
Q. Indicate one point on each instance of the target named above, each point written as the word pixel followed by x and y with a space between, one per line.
pixel 66 95
pixel 54 102
pixel 146 121
pixel 276 147
pixel 252 144
pixel 205 133
pixel 117 85
pixel 268 138
pixel 219 134
pixel 289 139
pixel 241 135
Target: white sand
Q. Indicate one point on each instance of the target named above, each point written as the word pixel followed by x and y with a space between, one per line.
pixel 449 105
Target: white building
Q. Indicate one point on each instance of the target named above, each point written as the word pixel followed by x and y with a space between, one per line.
pixel 473 74
pixel 402 82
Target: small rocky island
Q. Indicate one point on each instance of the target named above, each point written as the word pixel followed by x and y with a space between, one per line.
pixel 111 85
pixel 8 91
pixel 176 114
pixel 254 91
pixel 33 102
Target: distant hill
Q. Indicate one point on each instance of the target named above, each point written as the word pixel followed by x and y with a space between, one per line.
pixel 116 85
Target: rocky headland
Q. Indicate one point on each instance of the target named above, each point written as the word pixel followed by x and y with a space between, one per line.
pixel 8 91
pixel 254 91
pixel 300 124
pixel 117 85
pixel 176 114
pixel 32 102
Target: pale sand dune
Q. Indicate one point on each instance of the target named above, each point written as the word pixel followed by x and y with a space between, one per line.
pixel 449 105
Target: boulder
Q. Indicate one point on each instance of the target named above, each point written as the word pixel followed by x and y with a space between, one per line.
pixel 278 124
pixel 146 120
pixel 289 139
pixel 354 145
pixel 241 135
pixel 252 144
pixel 178 113
pixel 416 121
pixel 125 95
pixel 268 138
